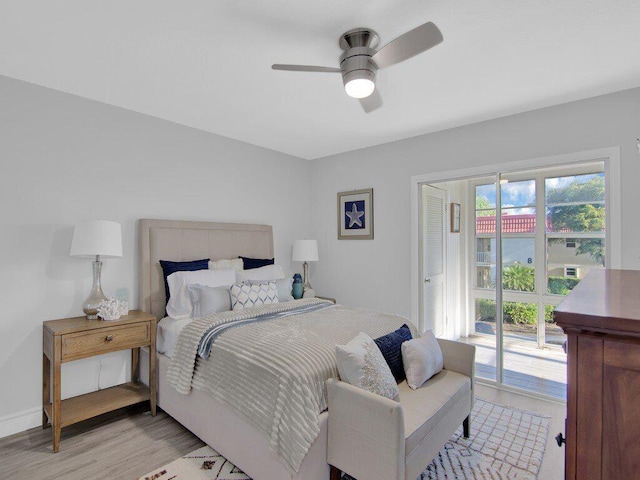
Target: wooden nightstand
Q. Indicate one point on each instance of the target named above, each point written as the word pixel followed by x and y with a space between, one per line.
pixel 75 338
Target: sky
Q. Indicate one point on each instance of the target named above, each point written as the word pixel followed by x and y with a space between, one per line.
pixel 523 194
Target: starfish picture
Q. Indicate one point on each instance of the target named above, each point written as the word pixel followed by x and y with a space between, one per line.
pixel 354 216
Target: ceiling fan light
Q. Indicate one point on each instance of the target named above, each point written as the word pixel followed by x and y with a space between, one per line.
pixel 359 87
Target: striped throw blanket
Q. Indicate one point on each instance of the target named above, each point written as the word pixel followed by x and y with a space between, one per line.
pixel 273 372
pixel 213 332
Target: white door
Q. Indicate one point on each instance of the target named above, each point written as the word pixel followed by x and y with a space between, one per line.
pixel 433 259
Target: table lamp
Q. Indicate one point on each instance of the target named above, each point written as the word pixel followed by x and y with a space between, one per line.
pixel 98 238
pixel 305 251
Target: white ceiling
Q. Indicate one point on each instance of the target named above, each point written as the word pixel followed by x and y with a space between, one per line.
pixel 206 64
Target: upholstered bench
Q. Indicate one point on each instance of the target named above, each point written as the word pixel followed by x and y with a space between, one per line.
pixel 371 437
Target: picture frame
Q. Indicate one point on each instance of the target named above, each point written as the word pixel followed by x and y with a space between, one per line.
pixel 455 218
pixel 355 215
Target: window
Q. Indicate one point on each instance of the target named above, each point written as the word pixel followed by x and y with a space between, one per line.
pixel 575 229
pixel 518 223
pixel 552 232
pixel 571 272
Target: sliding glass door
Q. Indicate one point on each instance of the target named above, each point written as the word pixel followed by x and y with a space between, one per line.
pixel 536 234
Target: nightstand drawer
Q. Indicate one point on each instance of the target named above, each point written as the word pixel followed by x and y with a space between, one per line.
pixel 83 344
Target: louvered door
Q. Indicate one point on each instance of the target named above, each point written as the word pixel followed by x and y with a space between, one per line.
pixel 433 248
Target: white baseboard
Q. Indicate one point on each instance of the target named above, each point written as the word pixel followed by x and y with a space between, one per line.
pixel 21 421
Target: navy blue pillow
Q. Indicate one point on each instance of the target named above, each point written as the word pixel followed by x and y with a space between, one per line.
pixel 171 267
pixel 390 346
pixel 249 263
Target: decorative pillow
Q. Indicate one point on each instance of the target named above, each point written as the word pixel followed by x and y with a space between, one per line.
pixel 361 364
pixel 250 263
pixel 208 300
pixel 284 286
pixel 267 273
pixel 248 296
pixel 180 305
pixel 422 359
pixel 171 267
pixel 233 264
pixel 285 289
pixel 390 345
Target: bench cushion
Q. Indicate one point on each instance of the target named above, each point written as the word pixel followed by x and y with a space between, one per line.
pixel 426 406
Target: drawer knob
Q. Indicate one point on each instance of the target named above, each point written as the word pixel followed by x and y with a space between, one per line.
pixel 108 338
pixel 560 439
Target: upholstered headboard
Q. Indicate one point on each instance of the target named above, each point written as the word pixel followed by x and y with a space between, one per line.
pixel 182 241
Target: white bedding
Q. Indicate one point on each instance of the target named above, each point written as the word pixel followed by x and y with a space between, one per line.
pixel 272 371
pixel 168 332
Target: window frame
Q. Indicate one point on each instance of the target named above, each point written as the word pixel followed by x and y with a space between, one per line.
pixel 609 155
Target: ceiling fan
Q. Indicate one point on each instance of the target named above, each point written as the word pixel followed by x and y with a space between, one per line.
pixel 360 61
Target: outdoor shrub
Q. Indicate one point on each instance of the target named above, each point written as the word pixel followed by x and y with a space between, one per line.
pixel 525 313
pixel 486 309
pixel 548 313
pixel 513 312
pixel 519 278
pixel 562 285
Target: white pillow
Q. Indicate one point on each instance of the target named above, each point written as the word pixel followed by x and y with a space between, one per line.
pixel 248 296
pixel 207 300
pixel 284 286
pixel 180 305
pixel 233 264
pixel 360 363
pixel 422 358
pixel 262 274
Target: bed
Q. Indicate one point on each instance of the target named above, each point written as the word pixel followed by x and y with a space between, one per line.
pixel 239 440
pixel 218 426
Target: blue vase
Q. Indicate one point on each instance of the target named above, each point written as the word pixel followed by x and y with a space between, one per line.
pixel 297 290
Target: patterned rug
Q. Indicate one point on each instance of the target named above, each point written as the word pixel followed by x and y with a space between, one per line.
pixel 505 443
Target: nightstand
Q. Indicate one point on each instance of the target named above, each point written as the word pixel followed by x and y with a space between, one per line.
pixel 326 298
pixel 71 339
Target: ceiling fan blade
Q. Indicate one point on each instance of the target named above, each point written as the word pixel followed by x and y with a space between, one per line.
pixel 304 68
pixel 372 102
pixel 415 41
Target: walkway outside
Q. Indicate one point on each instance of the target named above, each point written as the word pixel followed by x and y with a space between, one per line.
pixel 525 365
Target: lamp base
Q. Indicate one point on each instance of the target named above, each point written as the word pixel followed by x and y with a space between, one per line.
pixel 90 305
pixel 305 272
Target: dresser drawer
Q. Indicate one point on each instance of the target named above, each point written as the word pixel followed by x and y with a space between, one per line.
pixel 84 344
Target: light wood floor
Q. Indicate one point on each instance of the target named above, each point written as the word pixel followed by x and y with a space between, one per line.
pixel 129 443
pixel 121 445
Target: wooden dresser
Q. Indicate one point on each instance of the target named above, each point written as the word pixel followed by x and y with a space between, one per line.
pixel 601 318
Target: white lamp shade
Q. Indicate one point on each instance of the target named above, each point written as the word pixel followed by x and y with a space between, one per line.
pixel 98 237
pixel 305 251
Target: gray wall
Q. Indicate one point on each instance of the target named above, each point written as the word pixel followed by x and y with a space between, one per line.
pixel 65 159
pixel 376 273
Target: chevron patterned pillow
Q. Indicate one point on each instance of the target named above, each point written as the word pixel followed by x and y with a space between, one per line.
pixel 247 296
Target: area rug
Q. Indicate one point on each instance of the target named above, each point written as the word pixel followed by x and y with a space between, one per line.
pixel 505 443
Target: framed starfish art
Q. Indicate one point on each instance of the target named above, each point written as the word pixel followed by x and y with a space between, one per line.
pixel 355 215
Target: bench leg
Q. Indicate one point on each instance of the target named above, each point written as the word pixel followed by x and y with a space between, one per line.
pixel 336 473
pixel 465 427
